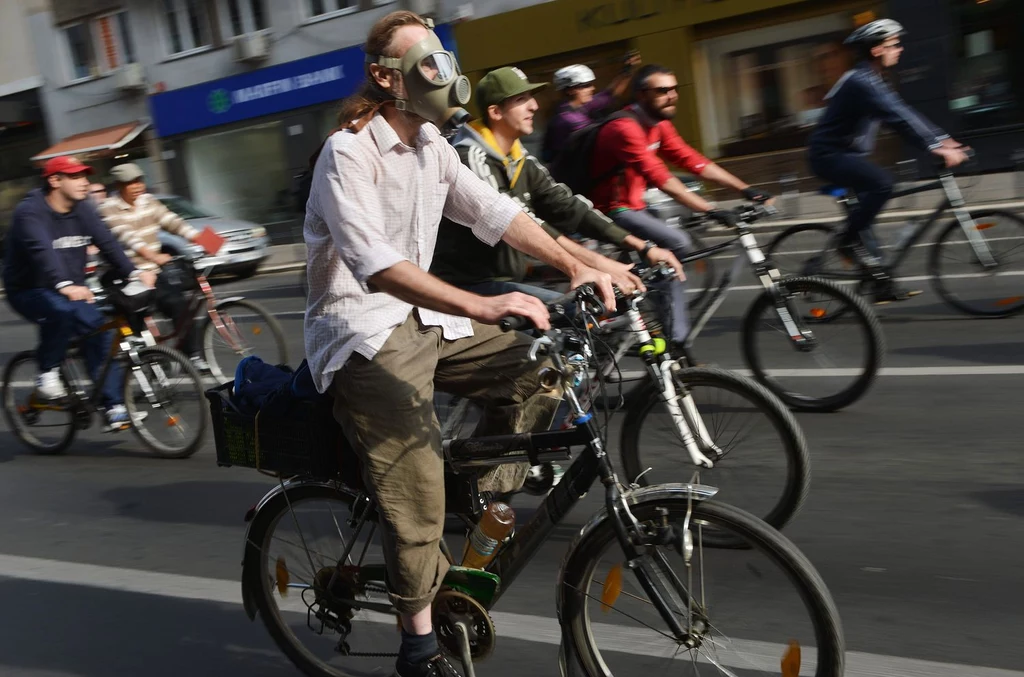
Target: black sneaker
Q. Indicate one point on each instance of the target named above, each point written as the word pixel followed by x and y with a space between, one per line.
pixel 438 666
pixel 887 291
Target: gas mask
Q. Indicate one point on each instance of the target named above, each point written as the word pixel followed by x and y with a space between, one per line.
pixel 435 88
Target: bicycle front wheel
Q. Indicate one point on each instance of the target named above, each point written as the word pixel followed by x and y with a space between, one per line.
pixel 811 359
pixel 742 611
pixel 44 427
pixel 244 328
pixel 163 393
pixel 964 282
pixel 759 453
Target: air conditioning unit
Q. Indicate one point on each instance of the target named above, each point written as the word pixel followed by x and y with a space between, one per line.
pixel 252 47
pixel 130 77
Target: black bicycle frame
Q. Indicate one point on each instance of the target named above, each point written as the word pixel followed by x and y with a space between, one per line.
pixel 92 399
pixel 589 466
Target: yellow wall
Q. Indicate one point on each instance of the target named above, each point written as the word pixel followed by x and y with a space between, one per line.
pixel 568 25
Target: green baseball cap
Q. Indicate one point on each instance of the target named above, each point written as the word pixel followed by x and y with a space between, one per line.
pixel 501 84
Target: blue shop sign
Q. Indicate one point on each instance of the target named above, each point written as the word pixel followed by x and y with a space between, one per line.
pixel 287 86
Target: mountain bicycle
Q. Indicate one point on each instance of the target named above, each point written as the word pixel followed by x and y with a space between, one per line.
pixel 313 570
pixel 163 392
pixel 743 437
pixel 816 366
pixel 970 263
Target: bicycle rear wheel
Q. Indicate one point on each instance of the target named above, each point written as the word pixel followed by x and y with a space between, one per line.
pixel 245 328
pixel 163 393
pixel 967 285
pixel 44 427
pixel 294 545
pixel 761 459
pixel 836 364
pixel 743 610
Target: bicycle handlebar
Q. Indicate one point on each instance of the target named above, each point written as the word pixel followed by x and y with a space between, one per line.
pixel 584 295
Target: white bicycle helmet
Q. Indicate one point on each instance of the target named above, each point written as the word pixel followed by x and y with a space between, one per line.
pixel 873 33
pixel 573 76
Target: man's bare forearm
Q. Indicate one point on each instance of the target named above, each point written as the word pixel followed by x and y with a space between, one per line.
pixel 410 283
pixel 713 172
pixel 675 189
pixel 525 235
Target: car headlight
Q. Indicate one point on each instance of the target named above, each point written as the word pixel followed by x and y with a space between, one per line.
pixel 259 232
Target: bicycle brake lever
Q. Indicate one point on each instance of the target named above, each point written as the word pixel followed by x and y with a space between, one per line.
pixel 536 346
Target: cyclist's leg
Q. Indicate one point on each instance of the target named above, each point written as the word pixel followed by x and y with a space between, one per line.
pixel 492 367
pixel 53 313
pixel 870 183
pixel 172 302
pixel 649 227
pixel 385 407
pixel 95 349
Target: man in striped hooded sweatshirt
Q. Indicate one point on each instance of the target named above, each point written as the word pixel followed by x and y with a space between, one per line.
pixel 136 218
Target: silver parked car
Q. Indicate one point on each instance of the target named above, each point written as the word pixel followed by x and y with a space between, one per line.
pixel 245 244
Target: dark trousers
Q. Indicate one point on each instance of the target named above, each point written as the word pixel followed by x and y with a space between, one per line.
pixel 870 183
pixel 171 299
pixel 60 321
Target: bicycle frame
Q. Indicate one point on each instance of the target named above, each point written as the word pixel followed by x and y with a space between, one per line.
pixel 953 199
pixel 765 272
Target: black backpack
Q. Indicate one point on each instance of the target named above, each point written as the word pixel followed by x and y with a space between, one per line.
pixel 572 165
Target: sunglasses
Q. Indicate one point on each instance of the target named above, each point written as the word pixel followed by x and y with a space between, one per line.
pixel 662 91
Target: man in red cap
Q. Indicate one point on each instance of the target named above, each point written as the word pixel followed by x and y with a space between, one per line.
pixel 44 275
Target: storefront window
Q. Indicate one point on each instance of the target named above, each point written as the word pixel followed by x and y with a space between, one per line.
pixel 988 82
pixel 242 173
pixel 763 90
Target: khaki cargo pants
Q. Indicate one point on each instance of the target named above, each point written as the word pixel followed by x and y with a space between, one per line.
pixel 386 408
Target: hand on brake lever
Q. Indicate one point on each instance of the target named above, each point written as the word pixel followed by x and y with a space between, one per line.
pixel 658 255
pixel 602 281
pixel 493 308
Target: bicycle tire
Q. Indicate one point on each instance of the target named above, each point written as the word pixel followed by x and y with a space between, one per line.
pixel 256 585
pixel 863 316
pixel 185 365
pixel 798 460
pixel 14 421
pixel 1004 308
pixel 210 334
pixel 585 553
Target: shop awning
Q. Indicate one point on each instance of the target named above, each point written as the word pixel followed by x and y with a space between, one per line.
pixel 97 141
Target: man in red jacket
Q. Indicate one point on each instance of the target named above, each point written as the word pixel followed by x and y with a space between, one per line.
pixel 630 155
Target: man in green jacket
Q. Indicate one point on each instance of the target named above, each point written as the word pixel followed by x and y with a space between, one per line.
pixel 491 147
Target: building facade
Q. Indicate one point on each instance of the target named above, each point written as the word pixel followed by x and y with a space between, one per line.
pixel 220 100
pixel 753 73
pixel 22 127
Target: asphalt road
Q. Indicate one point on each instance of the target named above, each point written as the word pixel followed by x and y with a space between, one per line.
pixel 115 563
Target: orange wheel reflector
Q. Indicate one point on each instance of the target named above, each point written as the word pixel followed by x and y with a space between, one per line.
pixel 791 660
pixel 173 421
pixel 256 331
pixel 818 313
pixel 1009 301
pixel 283 578
pixel 986 226
pixel 702 266
pixel 23 409
pixel 612 588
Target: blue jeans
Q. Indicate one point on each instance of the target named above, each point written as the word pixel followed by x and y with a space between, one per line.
pixel 62 320
pixel 671 298
pixel 870 183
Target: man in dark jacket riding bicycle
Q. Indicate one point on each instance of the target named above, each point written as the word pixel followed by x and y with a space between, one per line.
pixel 839 147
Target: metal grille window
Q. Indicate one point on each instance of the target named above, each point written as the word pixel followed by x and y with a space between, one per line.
pixel 186 25
pixel 98 46
pixel 246 16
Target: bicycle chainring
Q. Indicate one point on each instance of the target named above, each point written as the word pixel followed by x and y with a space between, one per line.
pixel 451 607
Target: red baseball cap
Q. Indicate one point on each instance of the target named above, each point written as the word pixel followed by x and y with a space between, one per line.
pixel 64 164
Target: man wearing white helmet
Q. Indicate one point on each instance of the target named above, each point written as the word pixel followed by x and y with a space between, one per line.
pixel 838 148
pixel 581 104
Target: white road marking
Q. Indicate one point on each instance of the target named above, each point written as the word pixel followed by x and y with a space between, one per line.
pixel 525 627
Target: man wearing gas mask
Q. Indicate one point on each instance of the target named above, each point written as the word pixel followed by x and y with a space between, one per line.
pixel 380 331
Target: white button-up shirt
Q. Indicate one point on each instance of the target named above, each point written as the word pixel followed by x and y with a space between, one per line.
pixel 375 202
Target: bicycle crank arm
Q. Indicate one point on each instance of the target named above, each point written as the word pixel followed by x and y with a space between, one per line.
pixel 464 649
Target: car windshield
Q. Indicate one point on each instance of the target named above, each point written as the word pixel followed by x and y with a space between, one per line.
pixel 184 208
